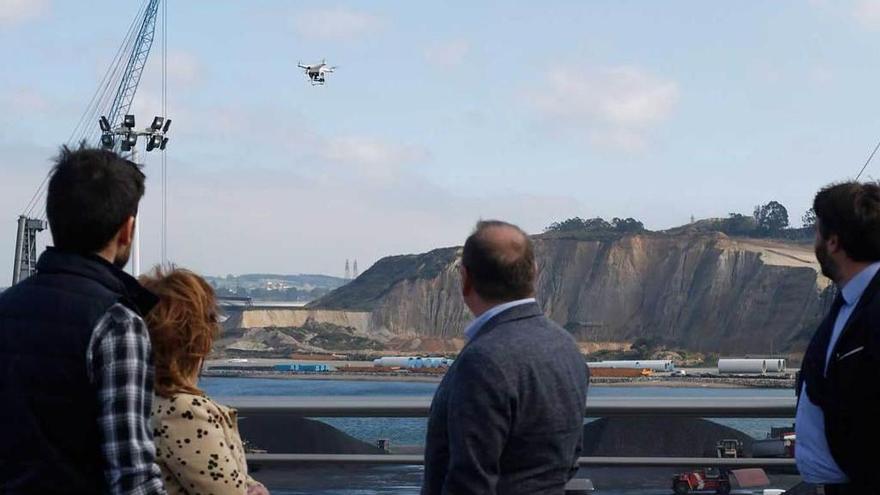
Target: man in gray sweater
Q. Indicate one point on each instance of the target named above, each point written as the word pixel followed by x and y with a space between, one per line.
pixel 508 416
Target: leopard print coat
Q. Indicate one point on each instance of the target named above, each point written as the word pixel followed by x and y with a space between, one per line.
pixel 198 446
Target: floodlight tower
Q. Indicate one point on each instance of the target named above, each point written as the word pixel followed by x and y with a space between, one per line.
pixel 127 138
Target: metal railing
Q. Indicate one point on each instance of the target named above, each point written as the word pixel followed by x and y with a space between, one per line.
pixel 397 407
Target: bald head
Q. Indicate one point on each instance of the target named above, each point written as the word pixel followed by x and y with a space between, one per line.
pixel 500 262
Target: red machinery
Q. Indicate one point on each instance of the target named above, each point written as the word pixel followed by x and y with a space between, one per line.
pixel 703 480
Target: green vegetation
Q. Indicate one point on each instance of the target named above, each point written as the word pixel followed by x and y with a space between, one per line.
pixel 809 218
pixel 594 229
pixel 331 337
pixel 769 220
pixel 577 224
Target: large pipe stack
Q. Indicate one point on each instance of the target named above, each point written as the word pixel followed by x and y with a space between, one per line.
pixel 662 365
pixel 751 366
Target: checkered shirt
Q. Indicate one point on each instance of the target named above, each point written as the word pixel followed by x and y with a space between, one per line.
pixel 121 369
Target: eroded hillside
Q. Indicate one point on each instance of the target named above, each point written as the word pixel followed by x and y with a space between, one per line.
pixel 700 291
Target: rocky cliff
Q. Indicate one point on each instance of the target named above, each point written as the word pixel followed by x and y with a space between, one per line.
pixel 695 290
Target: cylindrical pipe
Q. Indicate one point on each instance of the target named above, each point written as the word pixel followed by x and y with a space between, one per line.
pixel 649 364
pixel 743 366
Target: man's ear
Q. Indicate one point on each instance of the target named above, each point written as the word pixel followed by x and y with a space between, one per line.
pixel 833 243
pixel 125 236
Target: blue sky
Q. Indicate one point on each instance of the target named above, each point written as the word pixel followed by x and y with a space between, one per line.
pixel 441 114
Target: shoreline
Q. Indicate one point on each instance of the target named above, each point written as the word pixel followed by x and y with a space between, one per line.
pixel 661 382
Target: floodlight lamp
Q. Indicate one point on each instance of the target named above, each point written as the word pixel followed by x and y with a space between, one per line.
pixel 164 144
pixel 167 126
pixel 131 138
pixel 124 145
pixel 128 121
pixel 154 142
pixel 107 140
pixel 104 123
pixel 157 123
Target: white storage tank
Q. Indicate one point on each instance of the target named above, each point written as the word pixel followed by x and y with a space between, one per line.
pixel 664 365
pixel 743 366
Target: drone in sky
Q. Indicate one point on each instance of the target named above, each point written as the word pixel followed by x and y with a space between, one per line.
pixel 316 72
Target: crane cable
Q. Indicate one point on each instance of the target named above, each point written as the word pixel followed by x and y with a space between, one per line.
pixel 93 109
pixel 868 161
pixel 164 235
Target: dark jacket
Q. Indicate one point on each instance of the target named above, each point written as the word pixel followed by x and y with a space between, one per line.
pixel 849 395
pixel 508 416
pixel 49 437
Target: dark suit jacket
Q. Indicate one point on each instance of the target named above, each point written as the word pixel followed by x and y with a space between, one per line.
pixel 849 391
pixel 508 416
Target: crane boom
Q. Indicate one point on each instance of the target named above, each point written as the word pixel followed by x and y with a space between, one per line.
pixel 131 78
pixel 26 235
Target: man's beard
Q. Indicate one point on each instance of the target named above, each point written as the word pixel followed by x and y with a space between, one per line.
pixel 122 257
pixel 829 267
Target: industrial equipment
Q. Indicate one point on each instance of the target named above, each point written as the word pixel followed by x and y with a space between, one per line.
pixel 703 480
pixel 117 128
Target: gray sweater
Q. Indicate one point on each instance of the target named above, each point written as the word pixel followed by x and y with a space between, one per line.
pixel 508 416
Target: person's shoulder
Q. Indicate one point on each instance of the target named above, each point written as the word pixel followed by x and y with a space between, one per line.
pixel 185 407
pixel 192 407
pixel 186 399
pixel 15 295
pixel 123 315
pixel 536 327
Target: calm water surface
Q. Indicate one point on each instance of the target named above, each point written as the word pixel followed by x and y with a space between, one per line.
pixel 411 431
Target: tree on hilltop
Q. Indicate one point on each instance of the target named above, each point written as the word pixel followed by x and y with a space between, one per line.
pixel 771 218
pixel 578 224
pixel 627 225
pixel 809 218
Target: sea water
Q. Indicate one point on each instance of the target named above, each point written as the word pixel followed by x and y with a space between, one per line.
pixel 395 480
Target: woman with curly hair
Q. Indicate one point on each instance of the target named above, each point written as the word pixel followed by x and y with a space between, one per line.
pixel 198 446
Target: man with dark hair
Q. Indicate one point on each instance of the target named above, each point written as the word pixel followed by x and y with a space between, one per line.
pixel 75 368
pixel 508 416
pixel 839 384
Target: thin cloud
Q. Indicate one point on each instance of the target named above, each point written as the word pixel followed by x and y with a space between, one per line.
pixel 373 159
pixel 337 23
pixel 27 100
pixel 867 13
pixel 447 54
pixel 617 106
pixel 17 11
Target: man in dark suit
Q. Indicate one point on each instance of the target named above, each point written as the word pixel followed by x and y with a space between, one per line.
pixel 838 414
pixel 508 416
